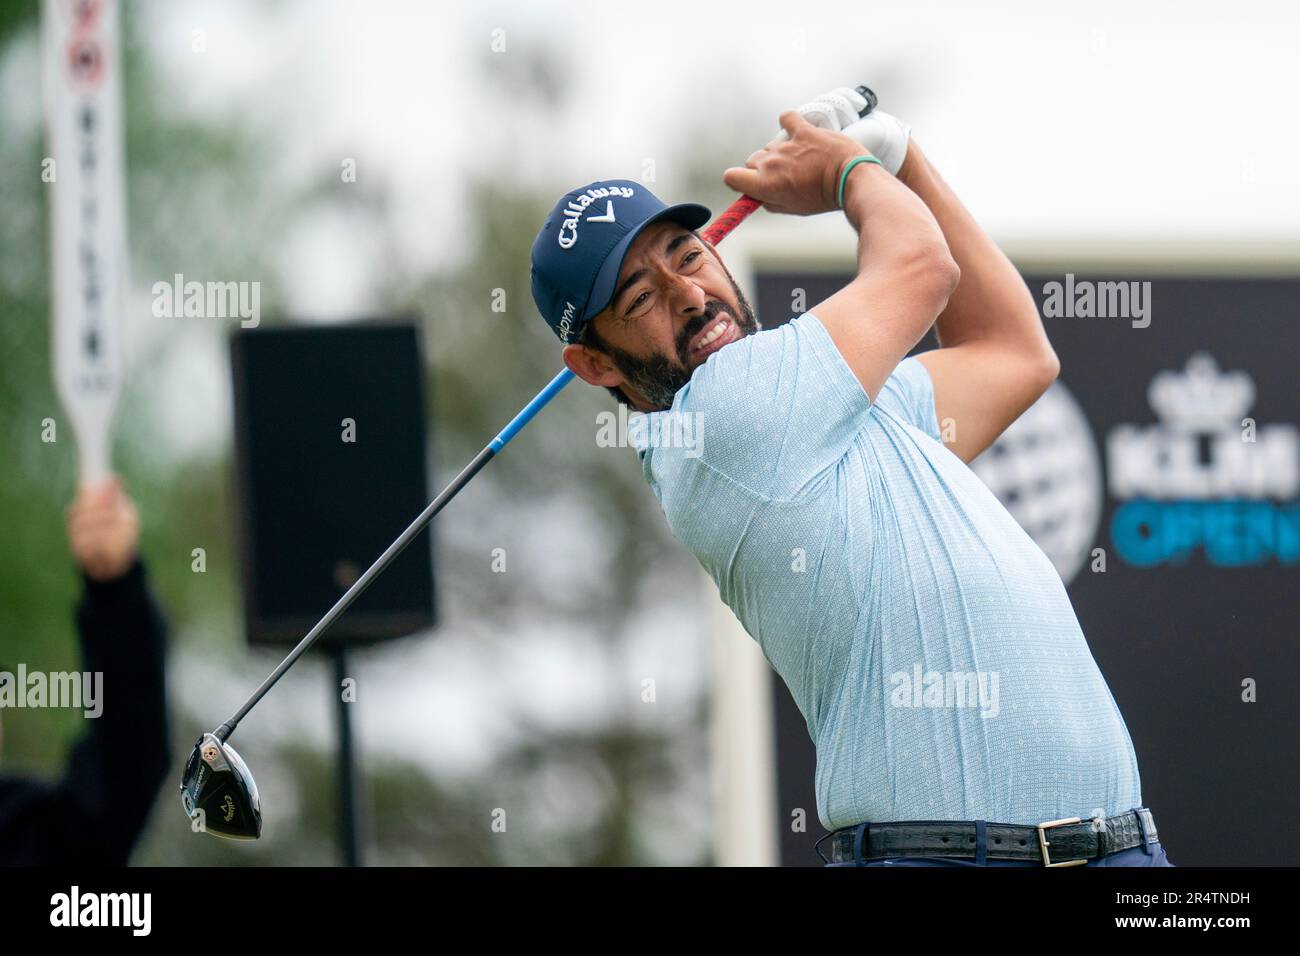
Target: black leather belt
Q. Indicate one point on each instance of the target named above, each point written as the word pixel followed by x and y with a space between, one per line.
pixel 1069 842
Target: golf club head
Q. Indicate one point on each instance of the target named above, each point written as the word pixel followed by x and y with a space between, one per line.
pixel 219 793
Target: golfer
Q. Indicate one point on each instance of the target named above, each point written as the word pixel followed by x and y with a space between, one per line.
pixel 958 714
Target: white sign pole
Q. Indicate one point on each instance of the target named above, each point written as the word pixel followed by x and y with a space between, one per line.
pixel 81 56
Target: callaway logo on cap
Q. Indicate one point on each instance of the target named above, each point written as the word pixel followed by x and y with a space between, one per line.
pixel 579 251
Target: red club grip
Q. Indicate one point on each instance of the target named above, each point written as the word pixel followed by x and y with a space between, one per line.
pixel 731 217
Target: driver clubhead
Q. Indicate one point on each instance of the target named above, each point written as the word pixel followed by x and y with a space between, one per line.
pixel 219 792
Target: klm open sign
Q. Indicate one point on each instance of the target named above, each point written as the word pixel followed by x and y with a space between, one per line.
pixel 1206 478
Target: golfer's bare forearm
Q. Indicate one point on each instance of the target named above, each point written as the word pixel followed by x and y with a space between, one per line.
pixel 902 253
pixel 895 228
pixel 991 302
pixel 905 275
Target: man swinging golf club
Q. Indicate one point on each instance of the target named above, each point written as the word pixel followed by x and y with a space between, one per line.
pixel 824 439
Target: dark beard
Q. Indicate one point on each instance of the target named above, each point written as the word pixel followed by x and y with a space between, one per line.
pixel 660 377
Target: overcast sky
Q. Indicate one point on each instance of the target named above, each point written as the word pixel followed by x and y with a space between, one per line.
pixel 1146 119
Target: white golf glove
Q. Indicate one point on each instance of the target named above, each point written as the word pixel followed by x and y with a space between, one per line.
pixel 879 132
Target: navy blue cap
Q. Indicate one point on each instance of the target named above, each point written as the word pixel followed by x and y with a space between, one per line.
pixel 578 253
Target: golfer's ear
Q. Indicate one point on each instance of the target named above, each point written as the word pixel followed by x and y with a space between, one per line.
pixel 590 366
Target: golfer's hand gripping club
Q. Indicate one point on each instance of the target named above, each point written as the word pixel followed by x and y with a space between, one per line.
pixel 827 111
pixel 853 113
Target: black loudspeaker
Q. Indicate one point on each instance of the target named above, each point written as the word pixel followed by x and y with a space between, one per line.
pixel 330 468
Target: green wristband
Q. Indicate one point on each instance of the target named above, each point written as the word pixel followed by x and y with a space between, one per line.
pixel 844 176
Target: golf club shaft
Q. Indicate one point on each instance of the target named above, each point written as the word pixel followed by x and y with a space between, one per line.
pixel 715 232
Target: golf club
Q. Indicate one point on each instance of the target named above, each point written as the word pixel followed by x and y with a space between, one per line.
pixel 217 789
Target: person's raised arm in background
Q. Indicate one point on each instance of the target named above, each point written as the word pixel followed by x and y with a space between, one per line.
pixel 96 812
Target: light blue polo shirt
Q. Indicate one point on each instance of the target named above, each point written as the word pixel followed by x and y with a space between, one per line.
pixel 928 642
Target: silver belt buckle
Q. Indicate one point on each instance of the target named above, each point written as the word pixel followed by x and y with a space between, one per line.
pixel 1044 843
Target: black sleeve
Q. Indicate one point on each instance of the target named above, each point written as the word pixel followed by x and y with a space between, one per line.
pixel 95 814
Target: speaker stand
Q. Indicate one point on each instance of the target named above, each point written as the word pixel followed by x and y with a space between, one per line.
pixel 349 839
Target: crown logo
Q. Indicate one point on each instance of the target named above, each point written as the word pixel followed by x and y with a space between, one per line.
pixel 1200 398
